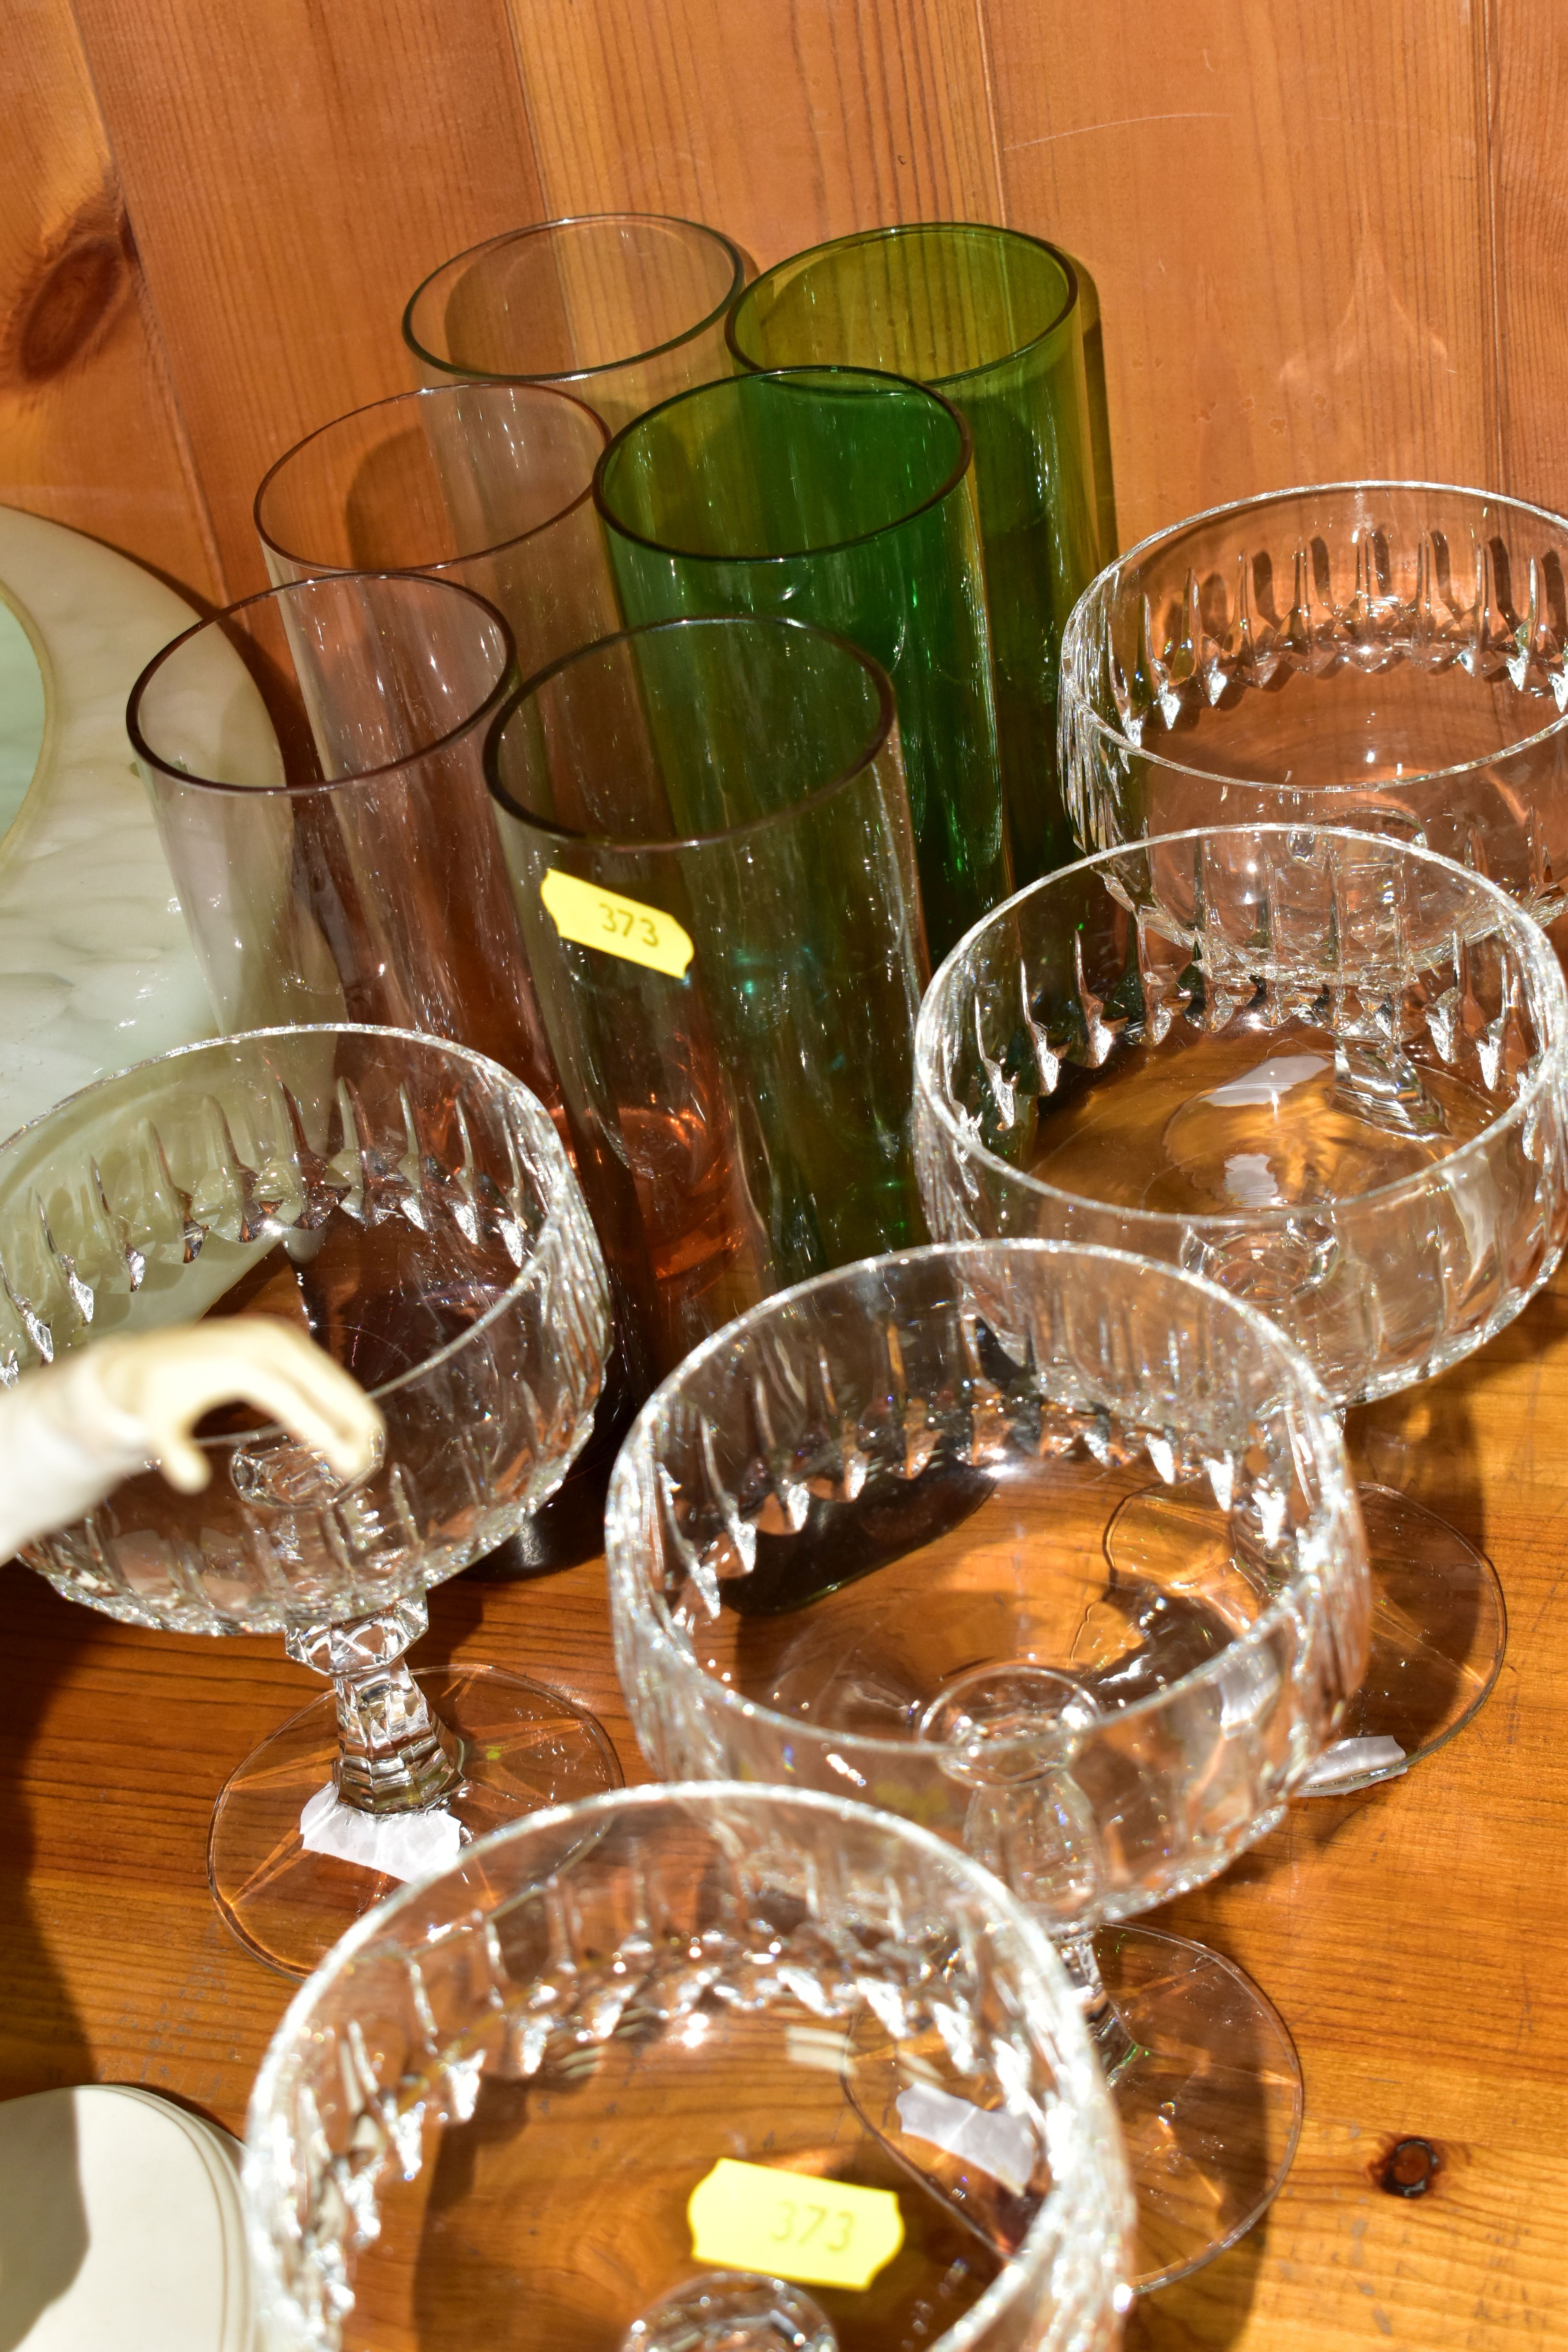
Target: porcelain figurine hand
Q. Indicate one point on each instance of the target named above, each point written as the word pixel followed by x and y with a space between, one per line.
pixel 71 1432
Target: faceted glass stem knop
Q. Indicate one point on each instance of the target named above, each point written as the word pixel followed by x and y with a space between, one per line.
pixel 1113 2045
pixel 395 1756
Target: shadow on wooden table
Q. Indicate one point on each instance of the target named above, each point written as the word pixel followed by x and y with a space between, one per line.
pixel 42 2044
pixel 43 2227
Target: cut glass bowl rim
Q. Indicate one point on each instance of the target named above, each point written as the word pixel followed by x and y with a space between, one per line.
pixel 1073 2057
pixel 558 1207
pixel 1551 1067
pixel 1105 583
pixel 632 1599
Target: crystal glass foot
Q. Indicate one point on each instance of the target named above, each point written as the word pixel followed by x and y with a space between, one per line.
pixel 1322 1068
pixel 503 1745
pixel 407 1203
pixel 1391 655
pixel 864 1540
pixel 1209 2093
pixel 691 2070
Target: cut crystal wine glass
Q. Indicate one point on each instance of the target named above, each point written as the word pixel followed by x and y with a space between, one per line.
pixel 690 2070
pixel 1387 654
pixel 1055 1551
pixel 408 1204
pixel 1326 1070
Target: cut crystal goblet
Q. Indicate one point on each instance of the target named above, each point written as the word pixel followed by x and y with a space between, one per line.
pixel 690 2070
pixel 408 1204
pixel 1055 1551
pixel 1323 1068
pixel 1391 655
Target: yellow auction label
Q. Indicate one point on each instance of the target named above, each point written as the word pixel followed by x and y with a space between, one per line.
pixel 790 2225
pixel 594 918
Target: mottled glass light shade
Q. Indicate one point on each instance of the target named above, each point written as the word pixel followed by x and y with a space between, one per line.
pixel 1053 1550
pixel 994 320
pixel 408 1205
pixel 709 837
pixel 1325 1070
pixel 846 498
pixel 623 309
pixel 1391 655
pixel 505 2088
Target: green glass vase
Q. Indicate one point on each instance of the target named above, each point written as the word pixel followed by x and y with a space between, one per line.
pixel 995 321
pixel 845 498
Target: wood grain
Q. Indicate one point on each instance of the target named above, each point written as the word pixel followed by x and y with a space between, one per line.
pixel 782 121
pixel 1287 212
pixel 1412 1936
pixel 1527 71
pixel 88 431
pixel 291 171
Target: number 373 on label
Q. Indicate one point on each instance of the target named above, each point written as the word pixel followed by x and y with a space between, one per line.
pixel 749 2217
pixel 595 917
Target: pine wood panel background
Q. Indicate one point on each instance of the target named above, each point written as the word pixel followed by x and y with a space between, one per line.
pixel 1327 238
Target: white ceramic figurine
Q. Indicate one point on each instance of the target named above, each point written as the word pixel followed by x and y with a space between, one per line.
pixel 72 1429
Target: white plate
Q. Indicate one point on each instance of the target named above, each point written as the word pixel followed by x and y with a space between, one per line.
pixel 121 2227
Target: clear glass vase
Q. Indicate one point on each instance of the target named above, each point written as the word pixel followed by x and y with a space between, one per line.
pixel 622 310
pixel 994 320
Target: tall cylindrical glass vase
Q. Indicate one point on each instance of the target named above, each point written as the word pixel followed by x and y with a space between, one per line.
pixel 994 320
pixel 709 841
pixel 846 497
pixel 321 804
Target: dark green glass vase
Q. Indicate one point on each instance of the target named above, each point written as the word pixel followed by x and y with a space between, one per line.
pixel 995 321
pixel 846 498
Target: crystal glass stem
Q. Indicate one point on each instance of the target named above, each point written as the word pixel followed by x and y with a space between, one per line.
pixel 1113 2045
pixel 395 1756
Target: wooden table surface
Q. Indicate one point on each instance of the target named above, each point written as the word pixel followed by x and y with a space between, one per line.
pixel 1414 1936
